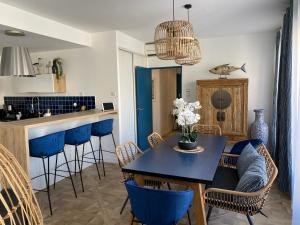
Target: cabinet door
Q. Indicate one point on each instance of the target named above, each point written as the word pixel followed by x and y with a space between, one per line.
pixel 225 102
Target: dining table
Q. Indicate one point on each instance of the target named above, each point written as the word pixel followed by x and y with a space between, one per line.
pixel 193 170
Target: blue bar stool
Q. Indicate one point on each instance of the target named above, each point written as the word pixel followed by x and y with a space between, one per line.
pixel 80 136
pixel 45 147
pixel 101 129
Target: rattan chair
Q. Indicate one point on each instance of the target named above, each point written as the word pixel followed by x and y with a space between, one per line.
pixel 207 129
pixel 154 139
pixel 126 153
pixel 18 204
pixel 248 204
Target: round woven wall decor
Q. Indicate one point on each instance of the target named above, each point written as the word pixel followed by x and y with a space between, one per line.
pixel 194 56
pixel 173 39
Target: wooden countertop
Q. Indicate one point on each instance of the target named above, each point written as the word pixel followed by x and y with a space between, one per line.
pixel 42 121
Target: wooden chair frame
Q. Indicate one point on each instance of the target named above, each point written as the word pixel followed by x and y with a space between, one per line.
pixel 16 195
pixel 154 139
pixel 242 202
pixel 207 129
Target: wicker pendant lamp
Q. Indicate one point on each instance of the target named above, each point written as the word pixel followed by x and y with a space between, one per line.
pixel 172 39
pixel 194 55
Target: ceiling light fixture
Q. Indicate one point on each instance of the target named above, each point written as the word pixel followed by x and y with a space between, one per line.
pixel 172 39
pixel 14 33
pixel 194 56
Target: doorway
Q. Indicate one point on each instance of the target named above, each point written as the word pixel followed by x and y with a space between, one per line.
pixel 156 89
pixel 164 91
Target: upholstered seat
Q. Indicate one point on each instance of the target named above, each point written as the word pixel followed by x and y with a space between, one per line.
pixel 78 135
pixel 225 178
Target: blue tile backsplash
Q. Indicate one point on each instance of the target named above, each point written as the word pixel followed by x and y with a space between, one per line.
pixel 57 104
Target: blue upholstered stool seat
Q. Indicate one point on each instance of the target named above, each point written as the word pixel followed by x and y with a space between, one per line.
pixel 45 147
pixel 101 129
pixel 158 207
pixel 48 145
pixel 78 135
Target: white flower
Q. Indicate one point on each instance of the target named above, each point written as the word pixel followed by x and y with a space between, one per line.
pixel 185 112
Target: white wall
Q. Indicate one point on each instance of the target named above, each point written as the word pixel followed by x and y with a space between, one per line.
pixel 256 50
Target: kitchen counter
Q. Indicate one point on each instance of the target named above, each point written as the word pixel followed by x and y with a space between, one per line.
pixel 15 135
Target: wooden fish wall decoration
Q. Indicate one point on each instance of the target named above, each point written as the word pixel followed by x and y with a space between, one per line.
pixel 226 69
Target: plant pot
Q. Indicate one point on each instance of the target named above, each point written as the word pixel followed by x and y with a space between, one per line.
pixel 187 145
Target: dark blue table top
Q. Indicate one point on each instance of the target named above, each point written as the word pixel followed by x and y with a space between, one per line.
pixel 163 161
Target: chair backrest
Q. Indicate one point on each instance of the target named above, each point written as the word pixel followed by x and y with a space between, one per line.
pixel 47 145
pixel 18 204
pixel 154 139
pixel 127 152
pixel 78 135
pixel 158 207
pixel 207 129
pixel 103 127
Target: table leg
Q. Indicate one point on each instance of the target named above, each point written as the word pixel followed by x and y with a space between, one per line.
pixel 198 204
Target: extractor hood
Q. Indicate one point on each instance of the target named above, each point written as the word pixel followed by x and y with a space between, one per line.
pixel 16 61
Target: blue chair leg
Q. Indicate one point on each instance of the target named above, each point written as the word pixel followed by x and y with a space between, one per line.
pixel 70 174
pixel 47 176
pixel 124 204
pixel 249 219
pixel 209 213
pixel 189 217
pixel 101 154
pixel 80 168
pixel 95 160
pixel 55 171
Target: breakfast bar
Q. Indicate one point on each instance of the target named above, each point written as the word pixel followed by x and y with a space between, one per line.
pixel 15 135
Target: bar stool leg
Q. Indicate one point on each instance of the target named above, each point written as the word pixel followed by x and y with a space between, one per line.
pixel 95 160
pixel 75 160
pixel 55 171
pixel 47 183
pixel 70 174
pixel 102 158
pixel 113 139
pixel 80 169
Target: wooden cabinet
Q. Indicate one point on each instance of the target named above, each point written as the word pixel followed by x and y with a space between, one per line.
pixel 225 102
pixel 44 83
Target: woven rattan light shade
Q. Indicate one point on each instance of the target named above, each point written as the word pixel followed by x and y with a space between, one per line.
pixel 194 56
pixel 173 39
pixel 18 203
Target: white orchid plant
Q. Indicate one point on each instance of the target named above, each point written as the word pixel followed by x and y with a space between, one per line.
pixel 186 117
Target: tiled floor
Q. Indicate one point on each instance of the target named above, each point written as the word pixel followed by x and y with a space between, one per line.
pixel 100 204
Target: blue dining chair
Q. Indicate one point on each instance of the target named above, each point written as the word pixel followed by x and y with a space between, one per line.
pixel 101 129
pixel 158 207
pixel 44 147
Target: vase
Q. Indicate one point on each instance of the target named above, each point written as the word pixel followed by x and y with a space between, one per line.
pixel 259 128
pixel 187 145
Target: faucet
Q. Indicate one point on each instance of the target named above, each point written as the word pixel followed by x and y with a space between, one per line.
pixel 38 105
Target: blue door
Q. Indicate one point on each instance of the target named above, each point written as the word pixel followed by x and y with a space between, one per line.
pixel 143 82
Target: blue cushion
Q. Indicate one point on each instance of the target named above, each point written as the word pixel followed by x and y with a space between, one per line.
pixel 239 146
pixel 248 155
pixel 255 177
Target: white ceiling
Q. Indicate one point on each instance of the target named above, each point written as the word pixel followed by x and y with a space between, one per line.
pixel 34 42
pixel 138 18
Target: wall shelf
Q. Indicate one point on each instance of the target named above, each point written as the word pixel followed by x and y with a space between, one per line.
pixel 44 83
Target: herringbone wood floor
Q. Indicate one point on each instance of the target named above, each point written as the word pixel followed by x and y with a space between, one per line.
pixel 100 204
